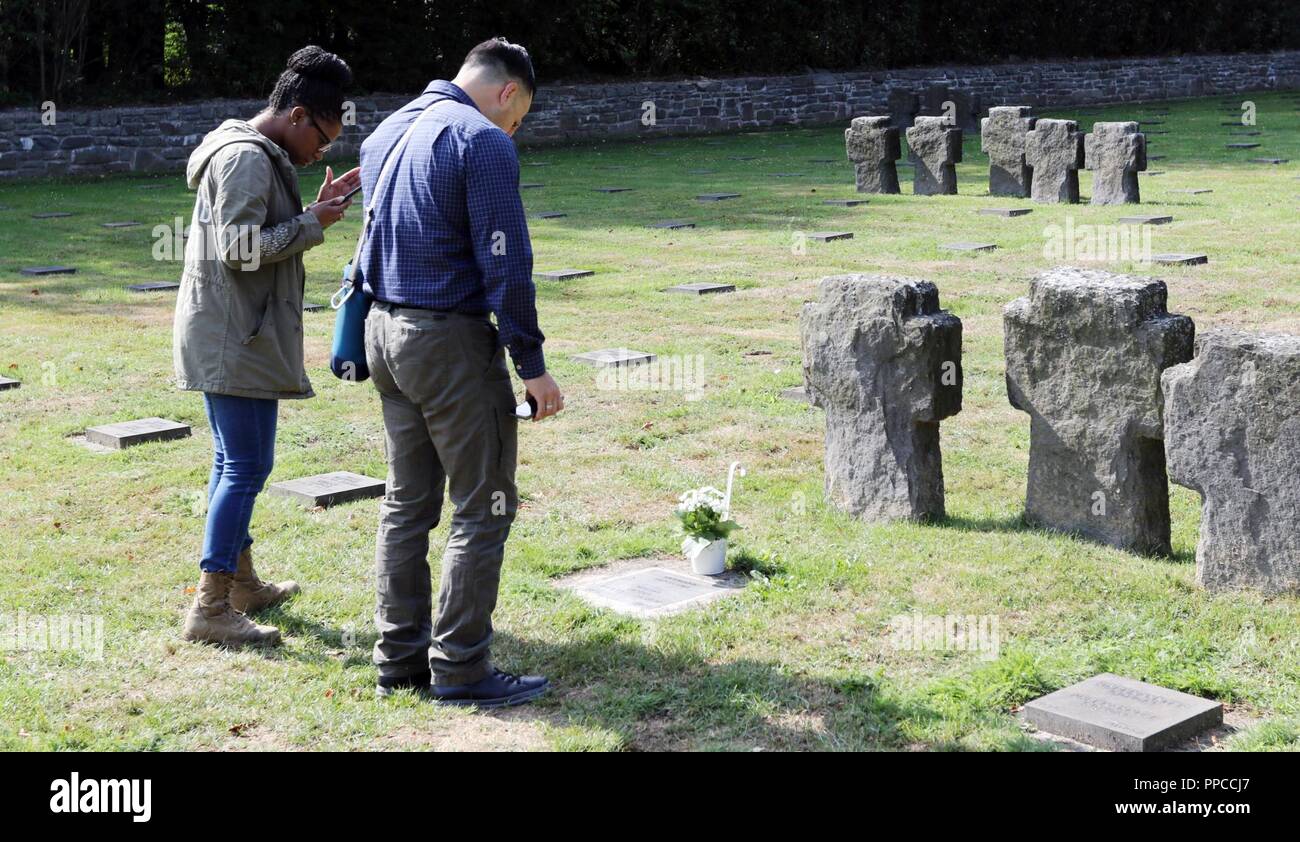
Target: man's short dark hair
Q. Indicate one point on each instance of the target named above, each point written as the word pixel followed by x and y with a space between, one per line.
pixel 508 61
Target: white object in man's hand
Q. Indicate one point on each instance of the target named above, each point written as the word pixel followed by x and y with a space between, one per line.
pixel 546 392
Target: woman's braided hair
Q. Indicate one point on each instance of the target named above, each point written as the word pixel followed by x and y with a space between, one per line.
pixel 315 79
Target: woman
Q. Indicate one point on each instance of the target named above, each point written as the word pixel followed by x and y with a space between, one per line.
pixel 238 329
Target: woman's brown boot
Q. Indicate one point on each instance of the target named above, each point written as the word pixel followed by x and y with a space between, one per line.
pixel 211 619
pixel 250 594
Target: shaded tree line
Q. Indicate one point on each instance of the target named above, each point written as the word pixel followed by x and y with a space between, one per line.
pixel 98 51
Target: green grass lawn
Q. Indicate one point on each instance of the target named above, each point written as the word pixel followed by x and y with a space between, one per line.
pixel 803 657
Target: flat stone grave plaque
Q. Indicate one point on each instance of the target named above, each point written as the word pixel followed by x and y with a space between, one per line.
pixel 1120 714
pixel 672 224
pixel 312 307
pixel 330 489
pixel 1180 259
pixel 1005 212
pixel 1243 145
pixel 1246 134
pixel 827 236
pixel 154 286
pixel 1268 160
pixel 701 288
pixel 611 189
pixel 1193 191
pixel 795 393
pixel 968 246
pixel 1158 131
pixel 743 157
pixel 614 357
pixel 1145 220
pixel 119 224
pixel 1154 172
pixel 128 433
pixel 787 175
pixel 51 215
pixel 9 383
pixel 531 185
pixel 824 160
pixel 48 270
pixel 563 274
pixel 845 203
pixel 1232 123
pixel 654 591
pixel 716 197
pixel 552 215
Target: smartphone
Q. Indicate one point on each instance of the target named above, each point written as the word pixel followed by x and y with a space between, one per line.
pixel 353 192
pixel 527 409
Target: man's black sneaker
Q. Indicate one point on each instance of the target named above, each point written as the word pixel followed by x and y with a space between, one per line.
pixel 390 684
pixel 500 689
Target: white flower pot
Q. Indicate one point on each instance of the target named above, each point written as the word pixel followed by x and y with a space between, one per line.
pixel 708 558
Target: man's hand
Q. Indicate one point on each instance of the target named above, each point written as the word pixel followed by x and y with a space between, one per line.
pixel 341 186
pixel 546 392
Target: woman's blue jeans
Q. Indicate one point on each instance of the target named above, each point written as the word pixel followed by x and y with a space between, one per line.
pixel 243 453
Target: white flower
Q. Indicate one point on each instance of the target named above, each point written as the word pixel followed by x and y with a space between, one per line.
pixel 699 497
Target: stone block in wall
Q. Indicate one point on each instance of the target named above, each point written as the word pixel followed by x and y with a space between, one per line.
pixel 94 155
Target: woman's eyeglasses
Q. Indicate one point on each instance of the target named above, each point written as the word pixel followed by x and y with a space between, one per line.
pixel 325 142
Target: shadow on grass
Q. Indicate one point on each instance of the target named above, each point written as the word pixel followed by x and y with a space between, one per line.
pixel 1019 524
pixel 648 699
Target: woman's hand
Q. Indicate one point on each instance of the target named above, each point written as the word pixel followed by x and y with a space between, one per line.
pixel 330 211
pixel 341 186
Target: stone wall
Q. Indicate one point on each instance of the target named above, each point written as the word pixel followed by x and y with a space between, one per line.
pixel 159 138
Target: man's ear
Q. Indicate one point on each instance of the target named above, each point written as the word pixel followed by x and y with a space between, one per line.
pixel 508 91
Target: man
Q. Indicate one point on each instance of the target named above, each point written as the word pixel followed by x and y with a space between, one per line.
pixel 448 245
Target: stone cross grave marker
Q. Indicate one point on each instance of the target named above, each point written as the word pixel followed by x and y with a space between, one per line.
pixel 872 145
pixel 1115 153
pixel 1084 355
pixel 884 361
pixel 1232 434
pixel 1054 148
pixel 934 148
pixel 1002 138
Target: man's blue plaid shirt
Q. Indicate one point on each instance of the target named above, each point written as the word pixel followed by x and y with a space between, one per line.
pixel 450 234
